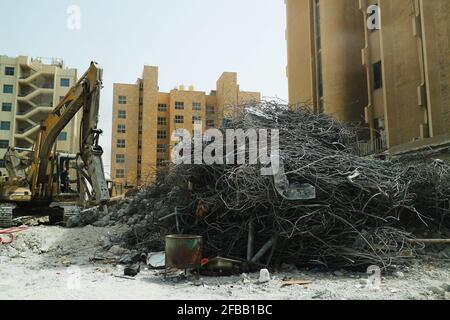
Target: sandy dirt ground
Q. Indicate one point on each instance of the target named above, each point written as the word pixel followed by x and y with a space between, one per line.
pixel 47 262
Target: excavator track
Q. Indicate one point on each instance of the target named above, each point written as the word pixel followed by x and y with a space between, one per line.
pixel 6 215
pixel 70 212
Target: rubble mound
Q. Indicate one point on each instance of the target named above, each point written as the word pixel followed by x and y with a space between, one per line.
pixel 356 212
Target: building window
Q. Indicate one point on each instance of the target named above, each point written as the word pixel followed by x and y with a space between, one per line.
pixel 179 105
pixel 120 173
pixel 139 144
pixel 162 121
pixel 139 159
pixel 141 115
pixel 377 76
pixel 210 123
pixel 160 162
pixel 120 143
pixel 4 144
pixel 196 119
pixel 162 134
pixel 179 119
pixel 210 110
pixel 6 107
pixel 62 136
pixel 141 101
pixel 162 148
pixel 9 71
pixel 196 106
pixel 120 158
pixel 121 128
pixel 8 88
pixel 140 129
pixel 162 107
pixel 5 125
pixel 122 114
pixel 65 82
pixel 122 100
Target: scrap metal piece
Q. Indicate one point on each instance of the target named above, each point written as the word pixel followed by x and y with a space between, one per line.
pixel 294 191
pixel 156 260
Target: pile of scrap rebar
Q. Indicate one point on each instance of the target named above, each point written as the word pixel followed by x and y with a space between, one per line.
pixel 325 207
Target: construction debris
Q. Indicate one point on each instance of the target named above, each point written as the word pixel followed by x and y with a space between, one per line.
pixel 353 212
pixel 264 276
pixel 295 282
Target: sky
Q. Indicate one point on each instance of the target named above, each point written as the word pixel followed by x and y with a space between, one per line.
pixel 191 41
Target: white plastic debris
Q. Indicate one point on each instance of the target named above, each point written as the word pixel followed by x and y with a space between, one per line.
pixel 264 276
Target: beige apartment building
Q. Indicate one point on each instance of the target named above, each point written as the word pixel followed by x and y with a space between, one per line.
pixel 396 76
pixel 144 119
pixel 324 40
pixel 29 90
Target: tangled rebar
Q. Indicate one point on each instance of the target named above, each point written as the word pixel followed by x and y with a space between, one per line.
pixel 360 214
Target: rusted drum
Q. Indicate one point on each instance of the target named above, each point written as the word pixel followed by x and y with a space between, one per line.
pixel 183 251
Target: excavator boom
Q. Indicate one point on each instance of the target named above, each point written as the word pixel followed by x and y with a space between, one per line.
pixel 85 95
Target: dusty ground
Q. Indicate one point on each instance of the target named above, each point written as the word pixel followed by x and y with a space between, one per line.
pixel 55 263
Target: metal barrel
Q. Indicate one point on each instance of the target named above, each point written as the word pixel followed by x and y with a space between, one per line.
pixel 183 251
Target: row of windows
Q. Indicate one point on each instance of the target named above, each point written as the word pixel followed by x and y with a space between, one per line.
pixel 161 108
pixel 179 105
pixel 120 173
pixel 9 88
pixel 120 158
pixel 121 128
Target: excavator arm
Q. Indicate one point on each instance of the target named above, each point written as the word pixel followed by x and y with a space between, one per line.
pixel 85 95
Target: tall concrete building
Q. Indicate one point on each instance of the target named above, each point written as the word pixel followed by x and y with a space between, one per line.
pixel 144 119
pixel 29 90
pixel 396 78
pixel 324 40
pixel 407 64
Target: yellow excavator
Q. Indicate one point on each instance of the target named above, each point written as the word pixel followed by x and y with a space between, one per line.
pixel 42 181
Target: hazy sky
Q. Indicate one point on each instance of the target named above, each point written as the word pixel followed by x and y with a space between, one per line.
pixel 192 42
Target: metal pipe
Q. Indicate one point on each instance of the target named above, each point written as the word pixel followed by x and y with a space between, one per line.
pixel 251 240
